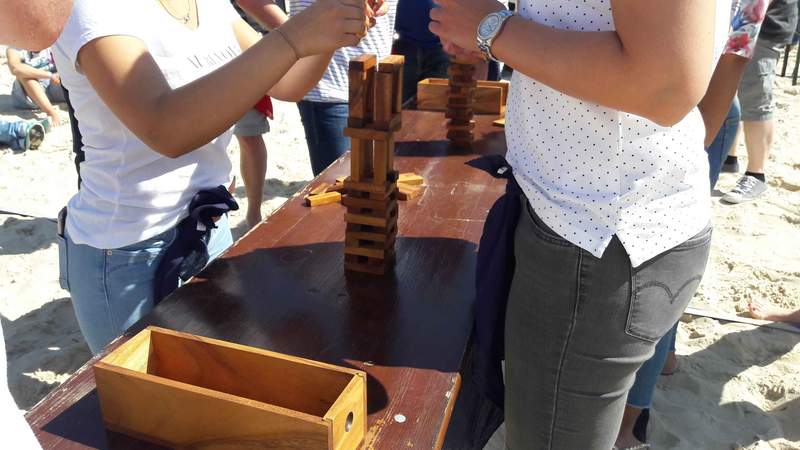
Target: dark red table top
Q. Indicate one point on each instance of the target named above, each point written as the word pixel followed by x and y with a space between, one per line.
pixel 282 287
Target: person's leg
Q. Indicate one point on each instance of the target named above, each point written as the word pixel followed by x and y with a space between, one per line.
pixel 325 124
pixel 640 396
pixel 35 90
pixel 755 95
pixel 763 311
pixel 577 330
pixel 249 132
pixel 21 134
pixel 723 142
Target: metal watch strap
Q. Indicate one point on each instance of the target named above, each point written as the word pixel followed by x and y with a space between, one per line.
pixel 485 45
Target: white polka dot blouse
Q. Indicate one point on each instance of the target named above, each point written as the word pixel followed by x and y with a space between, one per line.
pixel 591 172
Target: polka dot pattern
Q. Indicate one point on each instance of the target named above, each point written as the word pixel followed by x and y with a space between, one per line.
pixel 592 172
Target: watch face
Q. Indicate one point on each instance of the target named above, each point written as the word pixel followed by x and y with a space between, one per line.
pixel 489 26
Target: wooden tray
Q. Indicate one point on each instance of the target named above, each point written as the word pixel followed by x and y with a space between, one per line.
pixel 186 391
pixel 490 96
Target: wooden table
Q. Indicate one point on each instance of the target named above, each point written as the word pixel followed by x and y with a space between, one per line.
pixel 282 287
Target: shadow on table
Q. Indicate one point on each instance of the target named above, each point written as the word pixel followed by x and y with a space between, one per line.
pixel 297 300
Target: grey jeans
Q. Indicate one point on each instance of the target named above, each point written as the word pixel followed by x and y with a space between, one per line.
pixel 579 327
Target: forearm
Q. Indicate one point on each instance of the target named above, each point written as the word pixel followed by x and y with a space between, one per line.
pixel 191 116
pixel 716 103
pixel 266 12
pixel 27 72
pixel 301 78
pixel 597 68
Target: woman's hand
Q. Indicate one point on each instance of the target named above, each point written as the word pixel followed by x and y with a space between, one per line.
pixel 326 26
pixel 456 21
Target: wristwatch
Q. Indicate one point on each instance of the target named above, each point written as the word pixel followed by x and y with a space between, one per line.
pixel 488 30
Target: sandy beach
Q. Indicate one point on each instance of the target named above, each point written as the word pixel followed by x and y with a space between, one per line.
pixel 737 386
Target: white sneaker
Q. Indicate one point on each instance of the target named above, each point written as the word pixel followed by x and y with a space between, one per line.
pixel 748 188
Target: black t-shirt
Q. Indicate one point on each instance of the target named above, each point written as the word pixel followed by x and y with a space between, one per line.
pixel 781 21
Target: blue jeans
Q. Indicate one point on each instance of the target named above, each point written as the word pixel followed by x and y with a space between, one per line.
pixel 421 63
pixel 113 288
pixel 324 124
pixel 12 133
pixel 641 394
pixel 726 137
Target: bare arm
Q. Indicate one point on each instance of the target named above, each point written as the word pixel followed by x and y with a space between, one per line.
pixel 299 79
pixel 174 122
pixel 266 12
pixel 21 70
pixel 717 102
pixel 32 24
pixel 657 64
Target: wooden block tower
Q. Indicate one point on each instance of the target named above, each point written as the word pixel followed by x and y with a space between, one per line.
pixel 371 201
pixel 460 101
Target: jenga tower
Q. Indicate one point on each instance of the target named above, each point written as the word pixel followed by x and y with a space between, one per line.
pixel 371 201
pixel 461 98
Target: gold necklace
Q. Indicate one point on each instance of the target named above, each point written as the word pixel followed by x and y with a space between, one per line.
pixel 185 18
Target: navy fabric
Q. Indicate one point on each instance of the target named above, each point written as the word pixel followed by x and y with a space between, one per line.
pixel 494 273
pixel 411 24
pixel 188 254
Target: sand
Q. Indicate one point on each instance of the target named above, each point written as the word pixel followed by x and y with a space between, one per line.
pixel 738 386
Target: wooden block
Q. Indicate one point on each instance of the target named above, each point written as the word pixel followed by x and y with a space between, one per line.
pixel 391 64
pixel 384 100
pixel 369 133
pixel 385 190
pixel 461 70
pixel 360 159
pixel 374 250
pixel 455 126
pixel 433 94
pixel 500 122
pixel 411 179
pixel 363 63
pixel 366 220
pixel 360 77
pixel 365 203
pixel 338 187
pixel 383 160
pixel 397 80
pixel 408 191
pixel 323 199
pixel 460 135
pixel 320 189
pixel 184 391
pixel 459 114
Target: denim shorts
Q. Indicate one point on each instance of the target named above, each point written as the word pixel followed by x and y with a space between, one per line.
pixel 113 288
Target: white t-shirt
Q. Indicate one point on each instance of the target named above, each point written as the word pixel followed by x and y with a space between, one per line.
pixel 334 85
pixel 130 192
pixel 592 172
pixel 15 432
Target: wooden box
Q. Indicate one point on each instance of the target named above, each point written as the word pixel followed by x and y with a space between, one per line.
pixel 490 96
pixel 185 391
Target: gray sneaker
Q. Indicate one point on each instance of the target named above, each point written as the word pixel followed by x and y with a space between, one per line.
pixel 748 188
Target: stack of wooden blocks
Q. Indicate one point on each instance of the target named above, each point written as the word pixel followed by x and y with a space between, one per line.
pixel 459 104
pixel 371 200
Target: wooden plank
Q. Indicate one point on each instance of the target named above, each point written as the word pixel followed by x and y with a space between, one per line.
pixel 433 96
pixel 323 199
pixel 320 189
pixel 384 100
pixel 391 64
pixel 360 77
pixel 384 191
pixel 356 202
pixel 348 416
pixel 408 191
pixel 363 62
pixel 410 178
pixel 369 133
pixel 360 160
pixel 380 162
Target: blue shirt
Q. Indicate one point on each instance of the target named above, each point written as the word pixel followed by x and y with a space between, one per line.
pixel 413 17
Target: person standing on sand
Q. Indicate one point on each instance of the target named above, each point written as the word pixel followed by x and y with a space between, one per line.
pixel 755 95
pixel 250 129
pixel 156 95
pixel 18 19
pixel 761 311
pixel 606 143
pixel 324 109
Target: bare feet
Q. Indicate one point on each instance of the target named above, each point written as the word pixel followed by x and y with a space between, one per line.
pixel 670 364
pixel 763 311
pixel 253 217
